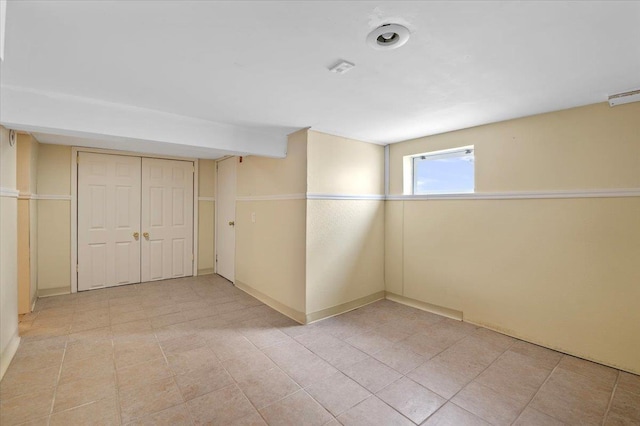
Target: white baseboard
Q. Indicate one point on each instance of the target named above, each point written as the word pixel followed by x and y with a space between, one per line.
pixel 418 304
pixel 9 352
pixel 267 300
pixel 58 291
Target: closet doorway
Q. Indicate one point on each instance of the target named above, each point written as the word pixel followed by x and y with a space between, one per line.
pixel 135 219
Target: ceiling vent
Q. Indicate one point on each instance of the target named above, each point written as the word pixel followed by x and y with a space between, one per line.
pixel 388 36
pixel 341 67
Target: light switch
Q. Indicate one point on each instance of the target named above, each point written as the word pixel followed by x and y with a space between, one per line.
pixel 253 217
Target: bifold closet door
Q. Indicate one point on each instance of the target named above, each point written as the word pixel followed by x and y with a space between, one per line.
pixel 167 219
pixel 108 220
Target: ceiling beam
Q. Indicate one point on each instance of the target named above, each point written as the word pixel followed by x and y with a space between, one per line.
pixel 84 118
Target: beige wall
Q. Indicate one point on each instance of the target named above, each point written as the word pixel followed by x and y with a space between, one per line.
pixel 258 176
pixel 26 178
pixel 9 338
pixel 345 253
pixel 270 252
pixel 344 166
pixel 558 272
pixel 33 222
pixel 206 216
pixel 345 238
pixel 54 219
pixel 591 147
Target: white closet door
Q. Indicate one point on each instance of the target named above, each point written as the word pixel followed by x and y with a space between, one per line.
pixel 108 220
pixel 226 218
pixel 167 219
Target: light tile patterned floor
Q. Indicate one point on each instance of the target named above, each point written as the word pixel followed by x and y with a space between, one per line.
pixel 199 351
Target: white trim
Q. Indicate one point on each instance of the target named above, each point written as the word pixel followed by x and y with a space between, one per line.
pixel 128 153
pixel 272 197
pixel 443 153
pixel 311 196
pixel 74 203
pixel 317 196
pixel 30 196
pixel 51 197
pixel 581 193
pixel 206 198
pixel 9 192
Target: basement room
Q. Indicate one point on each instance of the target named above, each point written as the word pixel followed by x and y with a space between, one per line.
pixel 319 213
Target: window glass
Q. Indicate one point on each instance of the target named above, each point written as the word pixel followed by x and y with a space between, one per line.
pixel 444 173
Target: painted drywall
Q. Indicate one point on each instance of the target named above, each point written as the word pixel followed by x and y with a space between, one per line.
pixel 345 238
pixel 206 216
pixel 345 252
pixel 260 176
pixel 592 147
pixel 54 219
pixel 54 170
pixel 33 225
pixel 393 247
pixel 9 338
pixel 558 272
pixel 270 252
pixel 24 260
pixel 339 165
pixel 26 179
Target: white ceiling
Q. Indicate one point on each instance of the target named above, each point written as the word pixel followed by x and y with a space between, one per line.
pixel 264 64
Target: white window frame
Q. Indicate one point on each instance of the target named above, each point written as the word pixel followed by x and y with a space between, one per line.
pixel 409 181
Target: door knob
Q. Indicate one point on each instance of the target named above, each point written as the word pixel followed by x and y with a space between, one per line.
pixel 146 235
pixel 136 235
pixel 232 223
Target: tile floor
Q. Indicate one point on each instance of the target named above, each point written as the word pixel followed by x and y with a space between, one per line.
pixel 199 351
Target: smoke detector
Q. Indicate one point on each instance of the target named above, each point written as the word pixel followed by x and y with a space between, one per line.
pixel 388 36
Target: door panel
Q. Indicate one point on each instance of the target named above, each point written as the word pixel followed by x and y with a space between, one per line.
pixel 108 217
pixel 225 219
pixel 167 217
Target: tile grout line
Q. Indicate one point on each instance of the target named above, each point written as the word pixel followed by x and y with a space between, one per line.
pixel 401 375
pixel 55 390
pixel 406 375
pixel 67 343
pixel 466 384
pixel 166 361
pixel 115 369
pixel 539 389
pixel 409 378
pixel 292 379
pixel 613 393
pixel 235 382
pixel 173 378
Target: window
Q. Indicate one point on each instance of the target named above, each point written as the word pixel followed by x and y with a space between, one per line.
pixel 443 172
